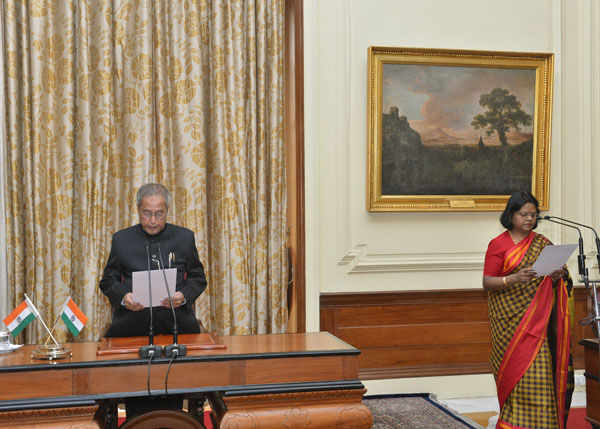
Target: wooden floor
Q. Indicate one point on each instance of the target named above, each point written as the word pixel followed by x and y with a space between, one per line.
pixel 479 410
pixel 481 418
pixel 576 418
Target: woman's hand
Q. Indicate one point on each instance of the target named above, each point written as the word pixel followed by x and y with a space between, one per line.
pixel 498 283
pixel 525 275
pixel 557 274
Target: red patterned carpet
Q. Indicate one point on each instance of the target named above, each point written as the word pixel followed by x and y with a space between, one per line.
pixel 577 419
pixel 413 412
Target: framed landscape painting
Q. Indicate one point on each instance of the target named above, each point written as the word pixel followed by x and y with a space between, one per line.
pixel 453 130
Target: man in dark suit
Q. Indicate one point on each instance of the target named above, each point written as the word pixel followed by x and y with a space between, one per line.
pixel 130 249
pixel 128 254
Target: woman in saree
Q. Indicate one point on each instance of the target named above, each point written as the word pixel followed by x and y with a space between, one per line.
pixel 530 324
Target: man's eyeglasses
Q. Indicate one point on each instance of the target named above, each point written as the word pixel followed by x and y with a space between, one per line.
pixel 149 215
pixel 525 215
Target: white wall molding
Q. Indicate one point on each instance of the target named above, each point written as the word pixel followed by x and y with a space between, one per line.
pixel 595 110
pixel 352 255
pixel 311 161
pixel 585 161
pixel 361 262
pixel 579 115
pixel 340 48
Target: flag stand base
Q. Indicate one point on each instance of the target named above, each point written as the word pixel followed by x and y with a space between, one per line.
pixel 51 352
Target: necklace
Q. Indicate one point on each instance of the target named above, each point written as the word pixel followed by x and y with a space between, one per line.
pixel 512 237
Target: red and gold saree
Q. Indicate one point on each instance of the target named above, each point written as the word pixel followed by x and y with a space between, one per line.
pixel 531 334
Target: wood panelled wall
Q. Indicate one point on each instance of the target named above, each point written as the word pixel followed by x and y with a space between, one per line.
pixel 423 333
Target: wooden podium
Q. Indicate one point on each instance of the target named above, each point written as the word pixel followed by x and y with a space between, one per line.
pixel 271 381
pixel 592 384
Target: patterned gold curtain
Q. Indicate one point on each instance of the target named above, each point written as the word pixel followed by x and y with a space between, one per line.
pixel 103 96
pixel 4 297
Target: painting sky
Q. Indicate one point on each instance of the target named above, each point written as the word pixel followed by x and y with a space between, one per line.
pixel 447 97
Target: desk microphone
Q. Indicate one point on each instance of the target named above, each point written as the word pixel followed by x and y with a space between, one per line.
pixel 174 349
pixel 584 226
pixel 150 351
pixel 581 256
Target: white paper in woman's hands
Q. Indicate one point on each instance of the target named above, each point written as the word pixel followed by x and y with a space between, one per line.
pixel 552 258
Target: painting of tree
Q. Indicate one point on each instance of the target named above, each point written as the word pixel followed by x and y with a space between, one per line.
pixel 437 138
pixel 456 126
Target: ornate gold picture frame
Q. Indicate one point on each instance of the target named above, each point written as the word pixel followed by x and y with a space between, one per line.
pixel 452 130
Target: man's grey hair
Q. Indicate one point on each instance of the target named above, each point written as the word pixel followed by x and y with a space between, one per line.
pixel 151 189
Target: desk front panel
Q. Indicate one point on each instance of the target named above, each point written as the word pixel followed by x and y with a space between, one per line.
pixel 23 385
pixel 247 361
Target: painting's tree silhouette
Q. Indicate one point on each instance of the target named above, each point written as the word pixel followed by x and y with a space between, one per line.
pixel 504 112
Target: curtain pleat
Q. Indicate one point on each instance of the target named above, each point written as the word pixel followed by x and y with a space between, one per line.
pixel 104 96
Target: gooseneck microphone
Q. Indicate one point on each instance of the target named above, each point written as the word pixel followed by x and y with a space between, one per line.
pixel 584 226
pixel 592 293
pixel 581 256
pixel 580 259
pixel 174 349
pixel 151 350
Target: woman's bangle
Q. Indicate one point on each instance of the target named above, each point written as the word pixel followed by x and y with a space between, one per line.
pixel 504 281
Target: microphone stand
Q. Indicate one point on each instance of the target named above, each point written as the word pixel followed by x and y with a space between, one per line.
pixel 583 271
pixel 150 350
pixel 174 349
pixel 595 318
pixel 594 291
pixel 584 226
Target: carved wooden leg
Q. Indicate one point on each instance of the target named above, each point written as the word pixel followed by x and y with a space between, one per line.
pixel 107 415
pixel 322 409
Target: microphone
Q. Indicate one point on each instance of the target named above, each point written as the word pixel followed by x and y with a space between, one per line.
pixel 581 257
pixel 150 351
pixel 174 349
pixel 595 318
pixel 584 226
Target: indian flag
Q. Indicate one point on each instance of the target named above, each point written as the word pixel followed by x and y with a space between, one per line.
pixel 73 317
pixel 22 316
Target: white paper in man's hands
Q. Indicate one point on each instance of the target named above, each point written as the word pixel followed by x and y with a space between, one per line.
pixel 552 258
pixel 159 291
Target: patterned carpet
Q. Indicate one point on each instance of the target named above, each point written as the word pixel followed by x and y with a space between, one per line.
pixel 413 412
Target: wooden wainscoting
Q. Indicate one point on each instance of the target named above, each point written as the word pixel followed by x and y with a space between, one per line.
pixel 423 333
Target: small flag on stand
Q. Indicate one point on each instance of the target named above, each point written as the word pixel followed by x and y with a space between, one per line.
pixel 22 316
pixel 73 317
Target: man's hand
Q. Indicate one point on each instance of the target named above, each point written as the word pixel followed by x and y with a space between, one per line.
pixel 130 304
pixel 177 298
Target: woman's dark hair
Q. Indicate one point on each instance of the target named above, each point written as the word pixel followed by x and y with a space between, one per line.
pixel 514 203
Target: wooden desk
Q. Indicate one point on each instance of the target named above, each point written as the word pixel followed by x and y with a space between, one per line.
pixel 270 379
pixel 592 385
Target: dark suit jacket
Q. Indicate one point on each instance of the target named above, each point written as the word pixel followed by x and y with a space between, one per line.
pixel 128 254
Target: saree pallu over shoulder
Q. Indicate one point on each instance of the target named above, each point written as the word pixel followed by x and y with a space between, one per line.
pixel 512 301
pixel 519 318
pixel 515 255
